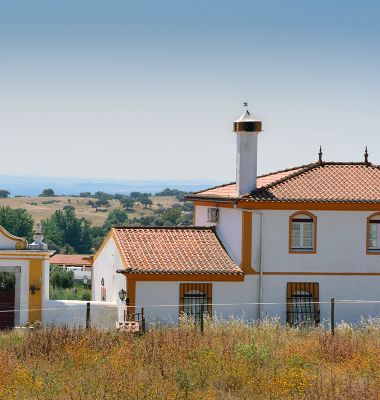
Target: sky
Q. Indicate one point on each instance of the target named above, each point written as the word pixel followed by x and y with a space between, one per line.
pixel 149 90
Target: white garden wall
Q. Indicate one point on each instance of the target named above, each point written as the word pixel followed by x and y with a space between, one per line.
pixel 73 313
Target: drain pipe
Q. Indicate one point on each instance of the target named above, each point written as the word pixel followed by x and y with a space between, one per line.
pixel 261 252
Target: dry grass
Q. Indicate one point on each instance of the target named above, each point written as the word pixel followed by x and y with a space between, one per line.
pixel 230 361
pixel 43 211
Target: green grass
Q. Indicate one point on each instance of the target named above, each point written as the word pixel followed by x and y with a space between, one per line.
pixel 69 294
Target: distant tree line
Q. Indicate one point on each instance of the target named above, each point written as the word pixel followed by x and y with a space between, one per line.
pixel 65 233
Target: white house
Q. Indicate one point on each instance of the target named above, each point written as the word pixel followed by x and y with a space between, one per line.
pixel 294 238
pixel 80 264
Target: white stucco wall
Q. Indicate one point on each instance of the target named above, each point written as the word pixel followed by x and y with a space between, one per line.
pixel 105 266
pixel 229 229
pixel 341 243
pixel 73 313
pixel 160 300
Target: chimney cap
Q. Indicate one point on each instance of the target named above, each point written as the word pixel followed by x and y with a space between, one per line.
pixel 246 117
pixel 246 123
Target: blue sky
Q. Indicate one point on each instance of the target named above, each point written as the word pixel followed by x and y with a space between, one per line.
pixel 149 90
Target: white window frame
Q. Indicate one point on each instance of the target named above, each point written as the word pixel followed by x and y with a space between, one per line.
pixel 377 225
pixel 295 220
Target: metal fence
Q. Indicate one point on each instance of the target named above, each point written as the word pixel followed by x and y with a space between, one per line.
pixel 108 315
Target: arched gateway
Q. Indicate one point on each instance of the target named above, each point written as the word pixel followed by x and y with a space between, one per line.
pixel 30 265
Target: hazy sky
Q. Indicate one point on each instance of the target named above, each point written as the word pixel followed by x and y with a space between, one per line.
pixel 149 89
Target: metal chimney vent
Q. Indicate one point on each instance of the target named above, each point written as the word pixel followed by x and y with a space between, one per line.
pixel 212 215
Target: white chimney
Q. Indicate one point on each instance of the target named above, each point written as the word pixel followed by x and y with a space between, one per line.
pixel 247 129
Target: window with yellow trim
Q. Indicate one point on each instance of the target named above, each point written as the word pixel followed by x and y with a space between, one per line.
pixel 374 233
pixel 302 233
pixel 195 297
pixel 302 305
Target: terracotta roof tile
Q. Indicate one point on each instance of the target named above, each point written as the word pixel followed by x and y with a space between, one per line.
pixel 181 250
pixel 321 182
pixel 72 259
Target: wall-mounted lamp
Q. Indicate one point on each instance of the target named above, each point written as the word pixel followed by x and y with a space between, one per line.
pixel 86 283
pixel 33 288
pixel 102 282
pixel 123 297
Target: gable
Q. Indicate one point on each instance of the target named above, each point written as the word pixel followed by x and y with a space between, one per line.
pixel 11 242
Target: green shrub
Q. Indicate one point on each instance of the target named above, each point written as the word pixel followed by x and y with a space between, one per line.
pixel 86 295
pixel 60 278
pixel 7 281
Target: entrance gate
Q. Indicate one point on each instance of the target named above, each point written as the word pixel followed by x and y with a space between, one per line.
pixel 7 307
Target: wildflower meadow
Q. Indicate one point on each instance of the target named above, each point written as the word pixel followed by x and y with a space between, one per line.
pixel 230 360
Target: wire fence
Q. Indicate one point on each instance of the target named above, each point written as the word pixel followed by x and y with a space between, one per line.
pixel 108 315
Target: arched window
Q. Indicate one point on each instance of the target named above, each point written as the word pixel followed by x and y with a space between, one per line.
pixel 193 296
pixel 193 301
pixel 373 234
pixel 302 304
pixel 302 307
pixel 302 232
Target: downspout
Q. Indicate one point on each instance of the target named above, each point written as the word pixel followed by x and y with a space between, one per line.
pixel 261 252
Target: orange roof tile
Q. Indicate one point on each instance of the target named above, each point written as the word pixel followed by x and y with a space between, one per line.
pixel 72 259
pixel 321 182
pixel 183 250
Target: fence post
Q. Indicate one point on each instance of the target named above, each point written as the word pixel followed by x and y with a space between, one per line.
pixel 202 312
pixel 142 320
pixel 88 316
pixel 332 316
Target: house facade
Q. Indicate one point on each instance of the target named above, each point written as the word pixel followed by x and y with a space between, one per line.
pixel 297 237
pixel 80 264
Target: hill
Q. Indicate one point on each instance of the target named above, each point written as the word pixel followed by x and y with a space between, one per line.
pixel 43 207
pixel 30 185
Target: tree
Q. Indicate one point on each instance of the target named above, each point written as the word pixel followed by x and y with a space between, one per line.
pixel 67 249
pixel 102 202
pixel 17 222
pixel 52 246
pixel 135 195
pixel 171 215
pixel 127 202
pixel 115 217
pixel 4 194
pixel 146 201
pixel 97 231
pixel 97 242
pixel 85 194
pixel 91 203
pixel 118 196
pixel 47 193
pixel 63 227
pixel 7 281
pixel 158 222
pixel 103 195
pixel 60 278
pixel 68 207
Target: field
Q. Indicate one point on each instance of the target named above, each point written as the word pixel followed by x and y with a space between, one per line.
pixel 42 211
pixel 229 361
